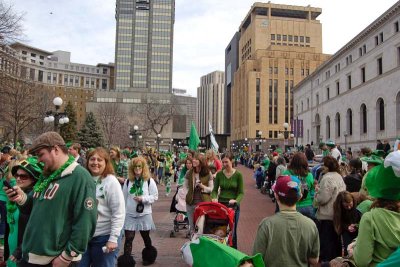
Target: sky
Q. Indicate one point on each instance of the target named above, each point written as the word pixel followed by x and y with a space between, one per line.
pixel 203 29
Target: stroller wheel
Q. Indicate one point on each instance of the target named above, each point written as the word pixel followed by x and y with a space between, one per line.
pixel 172 234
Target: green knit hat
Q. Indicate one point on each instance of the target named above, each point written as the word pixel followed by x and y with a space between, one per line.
pixel 31 166
pixel 383 181
pixel 373 159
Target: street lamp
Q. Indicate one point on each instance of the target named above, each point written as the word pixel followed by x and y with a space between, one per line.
pixel 170 144
pixel 134 134
pixel 259 140
pixel 345 140
pixel 158 142
pixel 286 133
pixel 56 117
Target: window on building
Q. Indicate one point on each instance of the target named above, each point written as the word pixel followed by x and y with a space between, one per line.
pixel 396 26
pixel 275 101
pixel 278 37
pixel 105 70
pixel 33 55
pixel 291 71
pixel 302 72
pixel 290 38
pixel 380 109
pixel 308 103
pixel 349 118
pixel 376 41
pixel 363 119
pixel 381 37
pixel 337 88
pixel 365 48
pixel 307 40
pixel 327 93
pixel 286 100
pixel 328 127
pixel 24 53
pixel 286 71
pixel 296 38
pixel 276 70
pixel 284 38
pixel 398 111
pixel 307 72
pixel 317 99
pixel 269 134
pixel 327 74
pixel 363 74
pixel 301 39
pixel 349 82
pixel 337 124
pixel 273 37
pixel 379 66
pixel 270 102
pixel 257 100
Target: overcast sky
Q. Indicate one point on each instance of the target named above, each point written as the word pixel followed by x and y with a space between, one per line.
pixel 203 29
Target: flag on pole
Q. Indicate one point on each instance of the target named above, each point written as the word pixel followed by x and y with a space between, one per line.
pixel 214 144
pixel 194 139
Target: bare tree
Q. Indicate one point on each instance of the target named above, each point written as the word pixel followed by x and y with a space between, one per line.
pixel 19 107
pixel 113 122
pixel 155 116
pixel 10 24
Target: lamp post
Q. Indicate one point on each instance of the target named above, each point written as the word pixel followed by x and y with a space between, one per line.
pixel 259 136
pixel 158 142
pixel 345 140
pixel 170 144
pixel 135 135
pixel 58 118
pixel 286 133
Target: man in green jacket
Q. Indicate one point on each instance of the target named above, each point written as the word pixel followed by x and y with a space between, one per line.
pixel 62 207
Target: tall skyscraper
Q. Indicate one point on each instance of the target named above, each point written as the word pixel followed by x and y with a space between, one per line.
pixel 278 46
pixel 211 103
pixel 144 45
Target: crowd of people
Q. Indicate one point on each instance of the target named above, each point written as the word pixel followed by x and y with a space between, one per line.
pixel 337 210
pixel 350 206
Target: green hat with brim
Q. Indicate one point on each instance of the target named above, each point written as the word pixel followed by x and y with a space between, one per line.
pixel 31 166
pixel 383 181
pixel 372 159
pixel 330 143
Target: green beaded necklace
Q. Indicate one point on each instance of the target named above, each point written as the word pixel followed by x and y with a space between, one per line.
pixel 137 187
pixel 44 182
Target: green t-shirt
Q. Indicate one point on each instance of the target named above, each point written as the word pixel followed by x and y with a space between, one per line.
pixel 309 179
pixel 231 188
pixel 287 239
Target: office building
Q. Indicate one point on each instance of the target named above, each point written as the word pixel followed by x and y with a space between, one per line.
pixel 144 45
pixel 279 45
pixel 211 103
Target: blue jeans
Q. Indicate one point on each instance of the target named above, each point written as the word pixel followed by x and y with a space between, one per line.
pixel 307 211
pixel 94 255
pixel 234 237
pixel 3 214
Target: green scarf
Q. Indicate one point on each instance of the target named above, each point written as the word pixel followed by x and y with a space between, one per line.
pixel 44 182
pixel 137 187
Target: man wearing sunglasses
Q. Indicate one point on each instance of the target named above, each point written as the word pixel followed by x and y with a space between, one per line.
pixel 62 205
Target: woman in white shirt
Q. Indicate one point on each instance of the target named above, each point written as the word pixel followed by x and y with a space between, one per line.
pixel 140 192
pixel 102 249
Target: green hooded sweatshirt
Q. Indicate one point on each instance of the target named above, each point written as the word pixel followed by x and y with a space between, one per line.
pixel 378 237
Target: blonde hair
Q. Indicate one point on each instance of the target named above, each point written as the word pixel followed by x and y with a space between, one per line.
pixel 210 154
pixel 145 168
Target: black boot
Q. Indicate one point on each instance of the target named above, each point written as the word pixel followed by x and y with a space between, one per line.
pixel 149 255
pixel 126 261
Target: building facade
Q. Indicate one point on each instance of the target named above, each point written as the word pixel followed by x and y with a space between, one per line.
pixel 279 46
pixel 211 103
pixel 354 97
pixel 73 82
pixel 144 45
pixel 231 65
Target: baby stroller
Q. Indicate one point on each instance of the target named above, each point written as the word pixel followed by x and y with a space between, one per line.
pixel 179 207
pixel 215 221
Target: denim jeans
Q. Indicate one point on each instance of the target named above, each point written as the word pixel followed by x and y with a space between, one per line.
pixel 3 214
pixel 307 211
pixel 234 237
pixel 94 255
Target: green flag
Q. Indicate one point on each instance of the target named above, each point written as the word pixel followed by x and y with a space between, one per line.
pixel 194 139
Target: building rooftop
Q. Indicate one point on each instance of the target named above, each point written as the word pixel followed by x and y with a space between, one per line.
pixel 282 11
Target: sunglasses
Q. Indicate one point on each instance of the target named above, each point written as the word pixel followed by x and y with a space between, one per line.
pixel 22 177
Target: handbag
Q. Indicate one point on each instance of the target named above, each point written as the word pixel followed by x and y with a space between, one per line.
pixel 140 207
